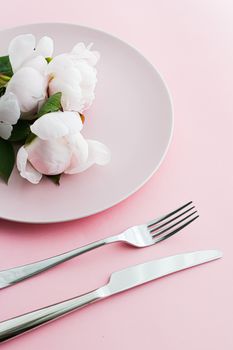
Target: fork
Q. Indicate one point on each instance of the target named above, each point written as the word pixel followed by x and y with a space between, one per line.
pixel 138 236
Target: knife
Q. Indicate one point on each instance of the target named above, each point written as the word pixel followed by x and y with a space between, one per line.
pixel 119 281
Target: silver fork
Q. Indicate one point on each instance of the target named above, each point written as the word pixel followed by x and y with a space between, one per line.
pixel 138 236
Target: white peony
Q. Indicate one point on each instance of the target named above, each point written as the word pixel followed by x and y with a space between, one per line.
pixel 59 148
pixel 9 114
pixel 74 75
pixel 29 82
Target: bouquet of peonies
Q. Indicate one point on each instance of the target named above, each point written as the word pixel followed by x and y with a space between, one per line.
pixel 42 100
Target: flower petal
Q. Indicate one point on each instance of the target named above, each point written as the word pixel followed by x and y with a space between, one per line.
pixel 25 168
pixel 5 130
pixel 49 126
pixel 29 86
pixel 72 120
pixel 45 47
pixel 20 49
pixel 88 74
pixel 98 153
pixel 50 157
pixel 71 99
pixel 79 148
pixel 39 63
pixel 9 108
pixel 75 78
pixel 57 124
pixel 72 75
pixel 63 67
pixel 83 52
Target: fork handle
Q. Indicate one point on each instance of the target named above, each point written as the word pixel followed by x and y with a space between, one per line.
pixel 17 274
pixel 24 323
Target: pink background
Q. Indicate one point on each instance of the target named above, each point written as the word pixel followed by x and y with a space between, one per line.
pixel 191 43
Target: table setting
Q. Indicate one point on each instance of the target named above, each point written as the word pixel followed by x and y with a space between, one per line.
pixel 116 173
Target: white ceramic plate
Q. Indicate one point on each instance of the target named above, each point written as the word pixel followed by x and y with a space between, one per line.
pixel 132 114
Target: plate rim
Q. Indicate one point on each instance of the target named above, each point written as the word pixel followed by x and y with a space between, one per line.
pixel 170 100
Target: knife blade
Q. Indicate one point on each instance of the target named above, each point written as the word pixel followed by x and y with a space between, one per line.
pixel 140 274
pixel 119 281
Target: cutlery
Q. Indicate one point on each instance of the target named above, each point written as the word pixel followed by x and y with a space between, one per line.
pixel 119 281
pixel 138 236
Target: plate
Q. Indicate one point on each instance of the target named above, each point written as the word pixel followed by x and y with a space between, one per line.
pixel 132 114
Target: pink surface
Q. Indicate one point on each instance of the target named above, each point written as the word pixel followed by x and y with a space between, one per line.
pixel 191 44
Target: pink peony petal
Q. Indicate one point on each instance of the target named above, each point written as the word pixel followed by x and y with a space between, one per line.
pixel 79 148
pixel 25 168
pixel 56 125
pixel 50 157
pixel 98 153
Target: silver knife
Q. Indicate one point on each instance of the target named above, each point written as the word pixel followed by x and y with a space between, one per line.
pixel 119 281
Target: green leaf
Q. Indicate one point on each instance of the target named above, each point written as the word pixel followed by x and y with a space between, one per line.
pixel 20 131
pixel 2 90
pixel 48 59
pixel 55 178
pixel 5 66
pixel 4 80
pixel 7 159
pixel 53 104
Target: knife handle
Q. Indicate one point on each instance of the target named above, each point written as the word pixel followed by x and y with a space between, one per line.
pixel 24 323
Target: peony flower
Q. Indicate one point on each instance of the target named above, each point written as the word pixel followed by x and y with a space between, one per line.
pixel 30 87
pixel 23 52
pixel 59 148
pixel 29 82
pixel 9 114
pixel 74 75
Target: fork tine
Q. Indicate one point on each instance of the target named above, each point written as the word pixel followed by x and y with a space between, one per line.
pixel 161 218
pixel 172 219
pixel 171 226
pixel 162 238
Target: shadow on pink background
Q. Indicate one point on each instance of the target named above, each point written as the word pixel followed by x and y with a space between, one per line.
pixel 191 43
